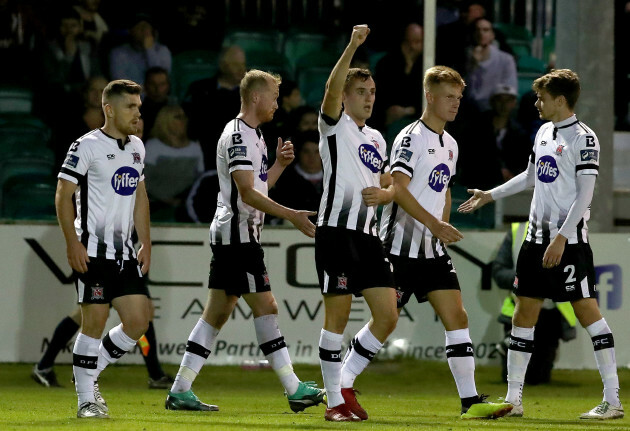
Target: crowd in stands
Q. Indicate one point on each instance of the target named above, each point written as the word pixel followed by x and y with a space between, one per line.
pixel 191 55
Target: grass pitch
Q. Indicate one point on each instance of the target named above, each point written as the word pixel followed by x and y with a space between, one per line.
pixel 400 395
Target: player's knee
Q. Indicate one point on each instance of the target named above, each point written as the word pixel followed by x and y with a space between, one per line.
pixel 265 308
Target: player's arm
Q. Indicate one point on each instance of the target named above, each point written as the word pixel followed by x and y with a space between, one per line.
pixel 374 196
pixel 76 252
pixel 403 197
pixel 331 105
pixel 142 222
pixel 284 157
pixel 522 181
pixel 244 180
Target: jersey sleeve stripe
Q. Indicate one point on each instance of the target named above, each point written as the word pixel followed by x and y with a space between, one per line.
pixel 72 173
pixel 400 164
pixel 587 166
pixel 240 162
pixel 329 120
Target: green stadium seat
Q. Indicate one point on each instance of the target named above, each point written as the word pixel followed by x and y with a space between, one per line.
pixel 525 81
pixel 312 82
pixel 531 64
pixel 481 219
pixel 19 132
pixel 191 66
pixel 31 198
pixel 521 49
pixel 514 32
pixel 16 99
pixel 301 44
pixel 549 44
pixel 254 41
pixel 375 57
pixel 269 61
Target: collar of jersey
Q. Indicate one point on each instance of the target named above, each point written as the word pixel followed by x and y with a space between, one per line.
pixel 425 125
pixel 120 142
pixel 566 123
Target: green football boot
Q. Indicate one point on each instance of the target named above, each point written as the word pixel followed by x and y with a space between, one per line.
pixel 485 410
pixel 187 401
pixel 307 395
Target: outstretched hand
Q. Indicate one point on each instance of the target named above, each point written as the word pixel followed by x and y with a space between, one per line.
pixel 300 220
pixel 479 198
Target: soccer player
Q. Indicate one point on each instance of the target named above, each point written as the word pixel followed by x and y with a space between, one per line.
pixel 556 260
pixel 415 229
pixel 348 253
pixel 237 267
pixel 103 169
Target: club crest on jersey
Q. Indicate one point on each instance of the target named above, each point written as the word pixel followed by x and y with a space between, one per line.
pixel 266 279
pixel 439 177
pixel 97 292
pixel 371 158
pixel 375 143
pixel 136 158
pixel 71 161
pixel 125 181
pixel 559 150
pixel 515 284
pixel 588 155
pixel 342 282
pixel 547 169
pixel 450 155
pixel 399 295
pixel 263 168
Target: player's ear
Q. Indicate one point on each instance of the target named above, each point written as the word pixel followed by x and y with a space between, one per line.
pixel 109 111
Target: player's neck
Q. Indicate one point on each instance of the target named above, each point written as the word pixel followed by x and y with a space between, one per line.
pixel 112 131
pixel 250 118
pixel 436 124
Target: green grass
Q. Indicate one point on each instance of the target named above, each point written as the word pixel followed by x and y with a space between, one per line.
pixel 398 396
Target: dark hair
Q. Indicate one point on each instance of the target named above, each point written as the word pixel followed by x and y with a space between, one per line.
pixel 356 73
pixel 155 70
pixel 120 87
pixel 287 88
pixel 68 13
pixel 560 82
pixel 301 138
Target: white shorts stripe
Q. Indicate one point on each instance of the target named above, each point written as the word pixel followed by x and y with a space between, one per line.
pixel 252 283
pixel 80 288
pixel 325 282
pixel 584 286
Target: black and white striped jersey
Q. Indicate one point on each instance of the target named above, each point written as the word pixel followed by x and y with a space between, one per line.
pixel 240 148
pixel 353 158
pixel 429 159
pixel 562 151
pixel 107 172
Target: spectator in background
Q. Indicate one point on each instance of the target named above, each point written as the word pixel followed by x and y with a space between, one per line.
pixel 143 51
pixel 16 40
pixel 453 39
pixel 303 119
pixel 289 100
pixel 157 87
pixel 210 103
pixel 192 26
pixel 88 117
pixel 94 26
pixel 67 61
pixel 399 77
pixel 172 164
pixel 301 185
pixel 487 65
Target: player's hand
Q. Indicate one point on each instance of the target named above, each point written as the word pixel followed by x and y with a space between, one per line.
pixel 284 153
pixel 144 258
pixel 78 257
pixel 359 34
pixel 479 198
pixel 300 220
pixel 553 254
pixel 445 232
pixel 374 196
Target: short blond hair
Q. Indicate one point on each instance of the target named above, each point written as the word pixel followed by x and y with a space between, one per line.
pixel 439 74
pixel 256 80
pixel 560 82
pixel 356 73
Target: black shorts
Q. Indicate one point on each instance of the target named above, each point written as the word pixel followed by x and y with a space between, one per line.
pixel 572 280
pixel 238 269
pixel 107 279
pixel 349 261
pixel 420 276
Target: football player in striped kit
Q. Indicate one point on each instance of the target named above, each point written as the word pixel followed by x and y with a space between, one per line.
pixel 415 230
pixel 237 267
pixel 556 260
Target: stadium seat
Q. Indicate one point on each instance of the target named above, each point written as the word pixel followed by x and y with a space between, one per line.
pixel 514 32
pixel 16 99
pixel 480 219
pixel 521 49
pixel 312 82
pixel 31 198
pixel 549 44
pixel 301 44
pixel 269 61
pixel 255 41
pixel 525 81
pixel 22 131
pixel 531 64
pixel 191 66
pixel 375 57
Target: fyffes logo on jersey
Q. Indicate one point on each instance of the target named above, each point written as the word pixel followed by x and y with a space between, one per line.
pixel 125 181
pixel 547 169
pixel 371 158
pixel 263 168
pixel 439 177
